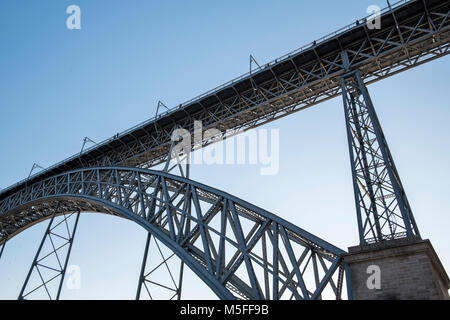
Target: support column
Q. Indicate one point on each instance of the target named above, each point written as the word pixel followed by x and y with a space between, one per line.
pixel 383 210
pixel 147 279
pixel 144 263
pixel 152 280
pixel 392 261
pixel 42 262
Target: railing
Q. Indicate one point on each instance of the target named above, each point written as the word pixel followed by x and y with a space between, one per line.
pixel 216 89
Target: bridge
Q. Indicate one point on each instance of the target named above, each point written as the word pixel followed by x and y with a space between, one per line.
pixel 239 250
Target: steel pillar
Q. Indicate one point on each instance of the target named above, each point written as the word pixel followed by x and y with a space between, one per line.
pixel 382 208
pixel 145 278
pixel 42 261
pixel 2 248
pixel 152 277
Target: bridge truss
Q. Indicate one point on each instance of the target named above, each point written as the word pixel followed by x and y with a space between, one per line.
pixel 237 249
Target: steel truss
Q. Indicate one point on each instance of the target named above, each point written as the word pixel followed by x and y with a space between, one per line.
pixel 412 34
pixel 236 248
pixel 170 283
pixel 313 76
pixel 383 211
pixel 60 239
pixel 160 278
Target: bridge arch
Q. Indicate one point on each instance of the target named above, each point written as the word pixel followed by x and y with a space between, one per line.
pixel 238 250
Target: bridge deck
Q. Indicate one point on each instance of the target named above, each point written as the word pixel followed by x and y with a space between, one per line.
pixel 412 32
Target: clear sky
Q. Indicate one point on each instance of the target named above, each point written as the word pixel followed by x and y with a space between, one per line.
pixel 58 86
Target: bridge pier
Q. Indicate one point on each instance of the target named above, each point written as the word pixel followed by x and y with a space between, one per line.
pixel 392 261
pixel 407 269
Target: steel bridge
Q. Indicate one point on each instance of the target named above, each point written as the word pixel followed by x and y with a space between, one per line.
pixel 237 249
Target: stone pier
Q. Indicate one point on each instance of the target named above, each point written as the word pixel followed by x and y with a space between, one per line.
pixel 408 269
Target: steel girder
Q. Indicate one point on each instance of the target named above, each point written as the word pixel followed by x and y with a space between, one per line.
pixel 411 34
pixel 236 248
pixel 383 210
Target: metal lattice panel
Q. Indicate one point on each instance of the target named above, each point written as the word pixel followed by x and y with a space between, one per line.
pixel 164 274
pixel 237 249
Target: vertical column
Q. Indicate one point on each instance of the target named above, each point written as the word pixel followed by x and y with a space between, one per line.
pixel 2 246
pixel 151 276
pixel 144 263
pixel 151 279
pixel 383 211
pixel 59 238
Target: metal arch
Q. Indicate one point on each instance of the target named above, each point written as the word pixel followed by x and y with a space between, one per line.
pixel 236 248
pixel 170 284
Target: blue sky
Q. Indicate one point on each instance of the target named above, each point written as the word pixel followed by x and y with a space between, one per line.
pixel 59 85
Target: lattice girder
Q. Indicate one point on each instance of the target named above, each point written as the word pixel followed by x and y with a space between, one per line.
pixel 236 248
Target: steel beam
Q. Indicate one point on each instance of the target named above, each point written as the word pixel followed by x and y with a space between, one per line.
pixel 412 33
pixel 160 202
